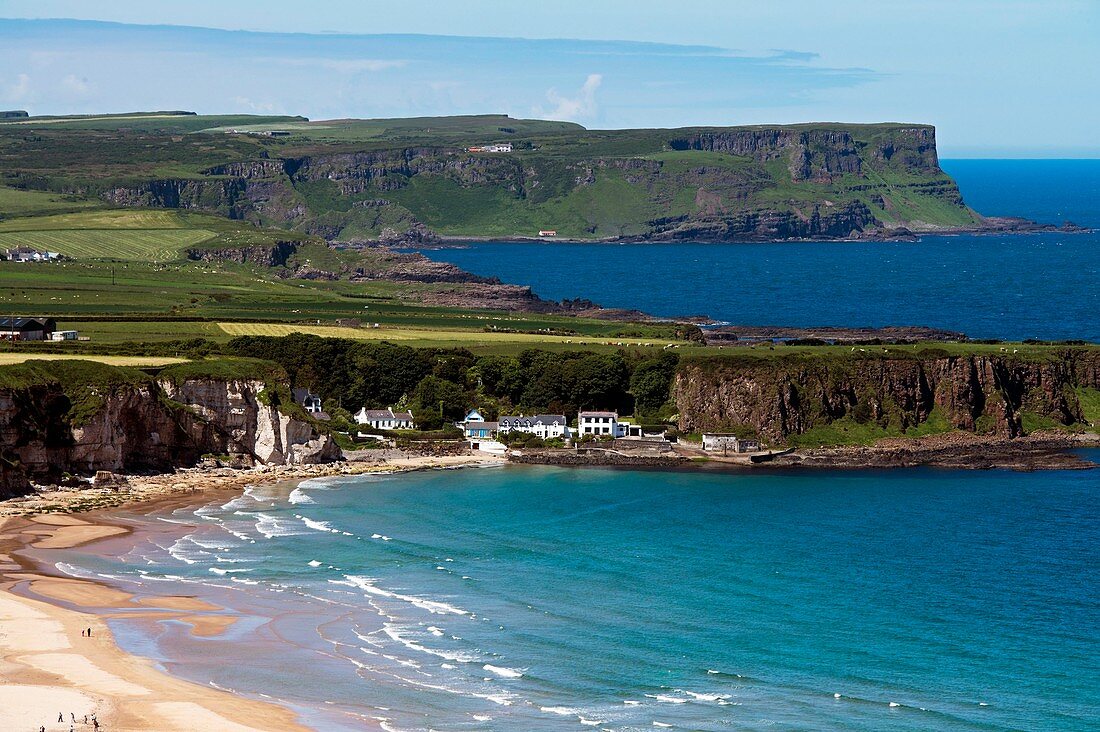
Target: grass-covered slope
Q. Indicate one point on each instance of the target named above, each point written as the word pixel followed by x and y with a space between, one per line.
pixel 348 179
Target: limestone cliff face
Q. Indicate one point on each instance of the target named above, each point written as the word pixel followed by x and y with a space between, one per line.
pixel 781 397
pixel 145 427
pixel 247 424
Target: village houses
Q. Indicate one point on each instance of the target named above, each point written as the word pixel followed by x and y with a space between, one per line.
pixel 544 426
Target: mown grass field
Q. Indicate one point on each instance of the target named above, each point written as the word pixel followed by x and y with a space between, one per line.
pixel 8 358
pixel 438 336
pixel 149 236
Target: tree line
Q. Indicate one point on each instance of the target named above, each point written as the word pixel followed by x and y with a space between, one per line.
pixel 438 385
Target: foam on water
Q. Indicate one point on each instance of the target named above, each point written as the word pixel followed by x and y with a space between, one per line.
pixel 503 672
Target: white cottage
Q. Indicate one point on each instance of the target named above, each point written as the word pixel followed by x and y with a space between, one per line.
pixel 384 419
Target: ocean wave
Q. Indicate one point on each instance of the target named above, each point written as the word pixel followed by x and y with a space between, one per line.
pixel 314 563
pixel 222 572
pixel 503 671
pixel 436 607
pixel 270 526
pixel 299 496
pixel 666 699
pixel 720 698
pixel 394 632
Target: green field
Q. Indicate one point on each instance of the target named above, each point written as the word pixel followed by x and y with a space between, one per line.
pixel 16 202
pixel 149 236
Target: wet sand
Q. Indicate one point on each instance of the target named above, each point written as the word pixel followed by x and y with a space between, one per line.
pixel 49 667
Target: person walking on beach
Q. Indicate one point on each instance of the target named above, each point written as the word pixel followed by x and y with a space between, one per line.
pixel 60 717
pixel 89 632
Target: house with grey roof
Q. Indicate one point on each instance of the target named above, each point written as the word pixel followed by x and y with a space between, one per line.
pixel 384 419
pixel 544 426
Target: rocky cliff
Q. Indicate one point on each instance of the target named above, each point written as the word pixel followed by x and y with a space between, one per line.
pixel 784 396
pixel 824 181
pixel 81 417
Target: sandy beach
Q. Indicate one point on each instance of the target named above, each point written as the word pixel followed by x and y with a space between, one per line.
pixel 50 670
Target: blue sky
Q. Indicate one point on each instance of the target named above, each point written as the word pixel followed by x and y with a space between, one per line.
pixel 999 78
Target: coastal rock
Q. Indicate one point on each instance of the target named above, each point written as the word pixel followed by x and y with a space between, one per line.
pixel 776 398
pixel 145 426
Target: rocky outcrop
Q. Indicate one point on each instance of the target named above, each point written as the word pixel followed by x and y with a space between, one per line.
pixel 275 255
pixel 783 396
pixel 820 222
pixel 57 426
pixel 249 422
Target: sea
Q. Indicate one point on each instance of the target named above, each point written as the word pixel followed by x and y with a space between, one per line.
pixel 1011 287
pixel 543 598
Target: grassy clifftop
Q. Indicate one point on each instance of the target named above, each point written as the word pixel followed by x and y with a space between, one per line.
pixel 412 178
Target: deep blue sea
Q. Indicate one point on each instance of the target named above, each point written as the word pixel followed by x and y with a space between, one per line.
pixel 524 598
pixel 1043 286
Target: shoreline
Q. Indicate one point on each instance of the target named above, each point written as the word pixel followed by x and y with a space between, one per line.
pixel 47 665
pixel 50 667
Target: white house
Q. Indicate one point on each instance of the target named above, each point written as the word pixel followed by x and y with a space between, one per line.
pixel 309 401
pixel 598 423
pixel 64 335
pixel 725 442
pixel 545 426
pixel 384 419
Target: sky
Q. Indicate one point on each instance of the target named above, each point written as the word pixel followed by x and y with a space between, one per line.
pixel 999 78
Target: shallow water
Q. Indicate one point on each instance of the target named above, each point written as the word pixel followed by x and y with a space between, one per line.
pixel 1043 286
pixel 546 598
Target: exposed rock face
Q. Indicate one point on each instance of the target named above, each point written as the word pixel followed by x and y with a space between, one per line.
pixel 811 154
pixel 768 225
pixel 248 425
pixel 781 397
pixel 829 181
pixel 275 255
pixel 146 427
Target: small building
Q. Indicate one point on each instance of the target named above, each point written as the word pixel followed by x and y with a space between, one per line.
pixel 505 147
pixel 475 426
pixel 384 419
pixel 29 254
pixel 725 443
pixel 65 335
pixel 598 423
pixel 544 426
pixel 27 329
pixel 545 233
pixel 309 401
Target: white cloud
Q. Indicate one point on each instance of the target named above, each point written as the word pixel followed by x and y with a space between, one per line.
pixel 77 86
pixel 18 89
pixel 582 106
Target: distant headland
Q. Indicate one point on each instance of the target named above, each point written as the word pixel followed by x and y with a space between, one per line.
pixel 432 179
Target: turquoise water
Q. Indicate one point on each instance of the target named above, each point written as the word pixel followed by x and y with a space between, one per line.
pixel 522 598
pixel 1043 286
